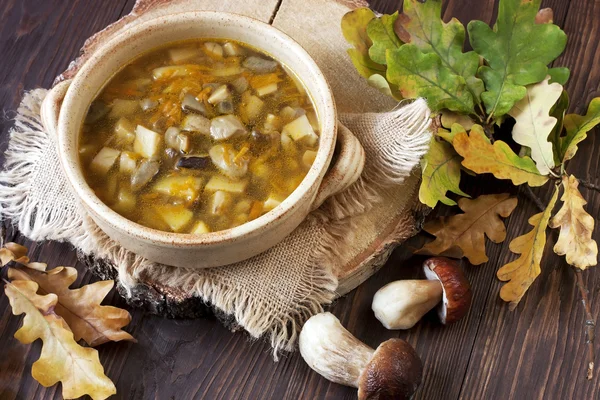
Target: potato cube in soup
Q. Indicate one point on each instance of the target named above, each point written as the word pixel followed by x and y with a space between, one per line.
pixel 251 107
pixel 266 90
pixel 146 142
pixel 184 187
pixel 232 49
pixel 183 54
pixel 125 131
pixel 214 50
pixel 220 182
pixel 122 108
pixel 301 129
pixel 272 202
pixel 200 228
pixel 127 162
pixel 126 202
pixel 308 158
pixel 176 216
pixel 104 160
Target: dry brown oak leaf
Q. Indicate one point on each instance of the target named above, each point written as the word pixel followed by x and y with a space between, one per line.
pixel 81 307
pixel 464 234
pixel 61 359
pixel 576 228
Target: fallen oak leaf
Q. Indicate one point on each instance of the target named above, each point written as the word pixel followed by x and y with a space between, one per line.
pixel 81 309
pixel 558 111
pixel 576 227
pixel 577 127
pixel 517 52
pixel 421 24
pixel 440 173
pixel 354 29
pixel 466 232
pixel 14 252
pixel 420 74
pixel 381 32
pixel 521 273
pixel 534 124
pixel 481 156
pixel 62 359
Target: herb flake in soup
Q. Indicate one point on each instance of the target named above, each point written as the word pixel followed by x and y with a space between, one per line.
pixel 199 137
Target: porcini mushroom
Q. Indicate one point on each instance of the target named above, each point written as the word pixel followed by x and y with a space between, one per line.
pixel 392 371
pixel 401 304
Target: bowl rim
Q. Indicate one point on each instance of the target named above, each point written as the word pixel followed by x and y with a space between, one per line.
pixel 68 137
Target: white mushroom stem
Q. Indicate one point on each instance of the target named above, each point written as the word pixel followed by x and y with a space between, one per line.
pixel 401 304
pixel 332 351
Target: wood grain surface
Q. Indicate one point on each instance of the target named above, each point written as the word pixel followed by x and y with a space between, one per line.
pixel 537 351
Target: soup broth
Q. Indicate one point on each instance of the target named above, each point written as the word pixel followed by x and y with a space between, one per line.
pixel 198 137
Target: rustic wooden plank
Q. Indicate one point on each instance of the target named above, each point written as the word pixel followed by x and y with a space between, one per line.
pixel 533 352
pixel 39 40
pixel 539 351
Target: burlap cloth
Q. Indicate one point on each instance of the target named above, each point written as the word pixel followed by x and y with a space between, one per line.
pixel 272 294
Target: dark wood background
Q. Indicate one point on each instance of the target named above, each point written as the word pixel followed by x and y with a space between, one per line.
pixel 537 351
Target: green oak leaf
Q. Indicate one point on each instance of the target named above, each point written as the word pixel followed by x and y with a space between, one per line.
pixel 441 173
pixel 448 135
pixel 354 29
pixel 559 75
pixel 517 52
pixel 558 111
pixel 381 32
pixel 364 65
pixel 380 83
pixel 419 74
pixel 577 127
pixel 421 24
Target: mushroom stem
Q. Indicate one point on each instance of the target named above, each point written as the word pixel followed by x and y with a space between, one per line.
pixel 392 371
pixel 401 304
pixel 332 351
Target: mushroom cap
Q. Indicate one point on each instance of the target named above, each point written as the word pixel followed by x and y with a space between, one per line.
pixel 394 372
pixel 457 296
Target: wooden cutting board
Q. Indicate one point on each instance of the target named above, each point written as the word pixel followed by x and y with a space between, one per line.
pixel 378 232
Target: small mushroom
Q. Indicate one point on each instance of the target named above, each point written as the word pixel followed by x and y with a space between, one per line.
pixel 194 162
pixel 401 304
pixel 260 65
pixel 226 126
pixel 144 174
pixel 226 159
pixel 392 371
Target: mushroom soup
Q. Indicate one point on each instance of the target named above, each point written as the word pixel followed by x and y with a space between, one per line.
pixel 199 136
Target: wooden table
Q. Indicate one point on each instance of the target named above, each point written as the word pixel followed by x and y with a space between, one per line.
pixel 537 351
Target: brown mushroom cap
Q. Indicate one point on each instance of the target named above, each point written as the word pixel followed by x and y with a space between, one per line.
pixel 457 296
pixel 394 372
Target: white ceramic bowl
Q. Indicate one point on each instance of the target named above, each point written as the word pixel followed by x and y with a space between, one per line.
pixel 249 239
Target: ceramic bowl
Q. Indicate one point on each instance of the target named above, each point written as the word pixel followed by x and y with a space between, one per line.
pixel 251 238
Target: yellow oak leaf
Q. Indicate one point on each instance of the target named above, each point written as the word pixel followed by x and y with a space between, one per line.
pixel 481 156
pixel 464 234
pixel 62 359
pixel 81 307
pixel 534 123
pixel 576 227
pixel 522 272
pixel 441 173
